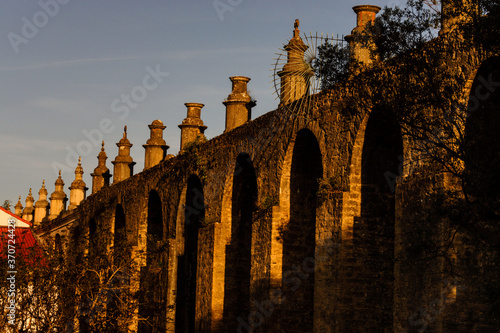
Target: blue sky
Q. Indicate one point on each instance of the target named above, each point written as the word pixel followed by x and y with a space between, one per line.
pixel 68 75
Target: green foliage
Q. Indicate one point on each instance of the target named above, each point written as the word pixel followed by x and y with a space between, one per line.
pixel 6 204
pixel 191 150
pixel 331 63
pixel 268 202
pixel 399 30
pixel 396 31
pixel 327 186
pixel 207 221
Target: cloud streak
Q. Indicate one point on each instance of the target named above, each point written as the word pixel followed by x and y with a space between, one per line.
pixel 190 54
pixel 23 145
pixel 58 64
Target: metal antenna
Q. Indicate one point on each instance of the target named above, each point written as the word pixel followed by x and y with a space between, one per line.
pixel 300 101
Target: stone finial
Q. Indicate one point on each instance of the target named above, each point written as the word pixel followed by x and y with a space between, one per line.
pixel 192 126
pixel 28 212
pixel 59 180
pixel 361 40
pixel 41 206
pixel 296 31
pixel 123 163
pixel 295 73
pixel 156 147
pixel 58 198
pixel 101 175
pixel 19 208
pixel 78 188
pixel 365 14
pixel 238 103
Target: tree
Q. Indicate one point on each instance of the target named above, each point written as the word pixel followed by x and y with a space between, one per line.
pixel 68 290
pixel 7 204
pixel 331 64
pixel 399 30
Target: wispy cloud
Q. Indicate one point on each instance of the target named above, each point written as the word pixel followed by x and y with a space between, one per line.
pixel 20 145
pixel 64 63
pixel 53 104
pixel 189 54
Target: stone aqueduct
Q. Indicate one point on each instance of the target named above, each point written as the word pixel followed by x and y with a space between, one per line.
pixel 254 237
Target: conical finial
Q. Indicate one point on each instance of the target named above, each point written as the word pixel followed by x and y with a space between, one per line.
pixel 123 162
pixel 79 169
pixel 59 180
pixel 43 191
pixel 296 32
pixel 30 189
pixel 57 198
pixel 102 157
pixel 19 207
pixel 124 140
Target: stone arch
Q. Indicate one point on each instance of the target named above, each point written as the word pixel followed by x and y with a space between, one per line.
pixel 243 172
pixel 369 223
pixel 468 269
pixel 293 234
pixel 352 198
pixel 58 247
pixel 299 235
pixel 281 213
pixel 482 141
pixel 153 305
pixel 120 243
pixel 154 225
pixel 76 243
pixel 93 239
pixel 190 218
pixel 121 255
pixel 475 68
pixel 238 251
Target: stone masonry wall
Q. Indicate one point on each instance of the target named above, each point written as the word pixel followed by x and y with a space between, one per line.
pixel 331 269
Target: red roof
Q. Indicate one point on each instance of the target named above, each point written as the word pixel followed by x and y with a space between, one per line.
pixel 20 238
pixel 5 215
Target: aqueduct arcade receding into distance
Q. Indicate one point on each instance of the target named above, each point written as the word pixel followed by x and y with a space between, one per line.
pixel 281 223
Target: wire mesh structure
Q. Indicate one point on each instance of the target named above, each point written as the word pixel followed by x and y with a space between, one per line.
pixel 295 75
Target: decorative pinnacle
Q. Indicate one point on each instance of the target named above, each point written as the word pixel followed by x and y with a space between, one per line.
pixel 59 173
pixel 296 32
pixel 124 141
pixel 79 169
pixel 43 183
pixel 102 147
pixel 30 189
